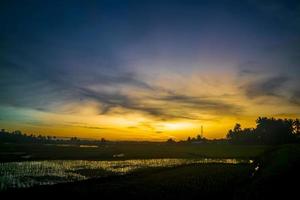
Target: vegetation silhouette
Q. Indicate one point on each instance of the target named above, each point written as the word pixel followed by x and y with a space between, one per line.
pixel 19 137
pixel 270 131
pixel 271 174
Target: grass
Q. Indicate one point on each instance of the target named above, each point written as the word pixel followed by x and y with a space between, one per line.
pixel 190 181
pixel 28 174
pixel 277 175
pixel 20 152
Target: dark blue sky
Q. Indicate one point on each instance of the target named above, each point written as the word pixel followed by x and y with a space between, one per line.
pixel 221 59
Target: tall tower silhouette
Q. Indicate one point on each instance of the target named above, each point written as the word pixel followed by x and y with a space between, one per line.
pixel 201 131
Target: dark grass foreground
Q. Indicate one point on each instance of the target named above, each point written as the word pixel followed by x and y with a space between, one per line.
pixel 277 177
pixel 205 180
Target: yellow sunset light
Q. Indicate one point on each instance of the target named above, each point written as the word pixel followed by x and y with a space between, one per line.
pixel 177 125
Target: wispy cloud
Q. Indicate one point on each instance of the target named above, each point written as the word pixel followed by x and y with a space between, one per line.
pixel 295 97
pixel 265 87
pixel 110 91
pixel 164 106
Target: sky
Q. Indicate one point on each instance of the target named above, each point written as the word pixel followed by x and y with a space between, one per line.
pixel 147 70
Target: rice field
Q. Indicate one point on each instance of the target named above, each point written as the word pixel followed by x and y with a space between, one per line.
pixel 49 172
pixel 123 151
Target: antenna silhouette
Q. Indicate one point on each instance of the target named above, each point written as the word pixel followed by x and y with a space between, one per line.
pixel 201 131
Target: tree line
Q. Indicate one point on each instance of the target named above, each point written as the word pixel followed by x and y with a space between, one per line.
pixel 267 131
pixel 19 137
pixel 270 131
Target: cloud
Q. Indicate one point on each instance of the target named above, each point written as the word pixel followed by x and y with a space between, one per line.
pixel 49 89
pixel 90 127
pixel 295 97
pixel 161 105
pixel 248 68
pixel 265 87
pixel 203 104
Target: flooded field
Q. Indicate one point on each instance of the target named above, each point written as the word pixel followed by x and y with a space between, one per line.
pixel 31 173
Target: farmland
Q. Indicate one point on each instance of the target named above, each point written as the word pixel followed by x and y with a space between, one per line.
pixel 149 170
pixel 122 151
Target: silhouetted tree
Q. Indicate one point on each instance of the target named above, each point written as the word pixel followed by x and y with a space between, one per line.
pixel 198 139
pixel 188 139
pixel 239 135
pixel 267 131
pixel 170 140
pixel 237 128
pixel 274 131
pixel 103 140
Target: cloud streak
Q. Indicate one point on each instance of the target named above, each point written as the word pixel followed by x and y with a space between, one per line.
pixel 50 93
pixel 265 87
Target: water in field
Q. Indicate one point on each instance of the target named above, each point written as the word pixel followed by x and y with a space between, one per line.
pixel 31 173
